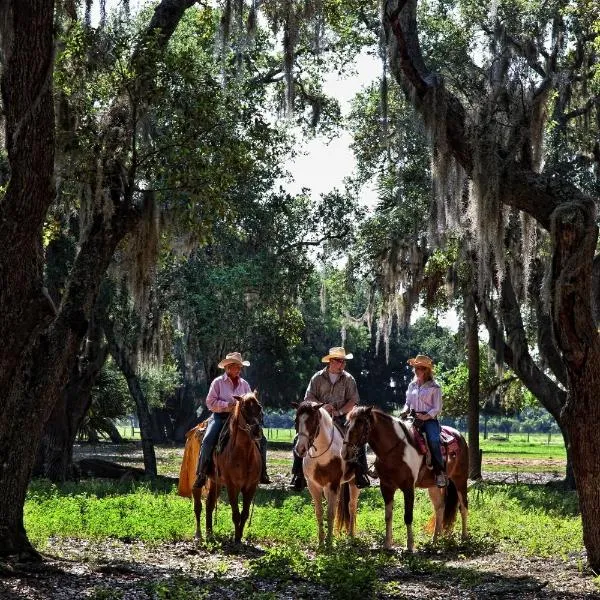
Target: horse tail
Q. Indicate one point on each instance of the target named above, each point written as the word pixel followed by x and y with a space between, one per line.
pixel 187 471
pixel 450 506
pixel 343 517
pixel 450 510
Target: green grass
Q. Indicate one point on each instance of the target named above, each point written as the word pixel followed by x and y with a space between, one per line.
pixel 526 519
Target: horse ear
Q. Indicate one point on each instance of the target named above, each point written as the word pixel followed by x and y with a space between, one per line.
pixel 368 409
pixel 294 405
pixel 238 398
pixel 255 392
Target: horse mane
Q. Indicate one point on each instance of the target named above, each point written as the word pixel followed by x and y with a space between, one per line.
pixel 359 410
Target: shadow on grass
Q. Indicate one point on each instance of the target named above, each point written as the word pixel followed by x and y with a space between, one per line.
pixel 554 500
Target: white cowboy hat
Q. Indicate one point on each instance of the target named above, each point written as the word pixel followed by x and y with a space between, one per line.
pixel 233 358
pixel 421 360
pixel 337 352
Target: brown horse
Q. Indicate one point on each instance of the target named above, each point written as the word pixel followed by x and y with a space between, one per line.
pixel 237 467
pixel 319 445
pixel 400 465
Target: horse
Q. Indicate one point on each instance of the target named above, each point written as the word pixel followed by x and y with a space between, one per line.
pixel 400 465
pixel 319 444
pixel 237 467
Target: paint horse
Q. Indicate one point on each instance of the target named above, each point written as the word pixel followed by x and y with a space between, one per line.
pixel 237 466
pixel 319 444
pixel 401 465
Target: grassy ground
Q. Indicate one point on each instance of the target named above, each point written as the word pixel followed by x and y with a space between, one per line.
pixel 130 541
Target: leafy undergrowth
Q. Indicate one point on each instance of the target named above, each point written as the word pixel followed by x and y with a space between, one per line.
pixel 530 520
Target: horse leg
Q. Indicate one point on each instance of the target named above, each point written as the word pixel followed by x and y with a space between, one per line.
pixel 316 493
pixel 436 495
pixel 388 498
pixel 463 504
pixel 354 492
pixel 409 505
pixel 233 492
pixel 247 496
pixel 331 496
pixel 211 502
pixel 197 497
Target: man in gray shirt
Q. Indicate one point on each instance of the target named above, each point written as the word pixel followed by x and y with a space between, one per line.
pixel 336 388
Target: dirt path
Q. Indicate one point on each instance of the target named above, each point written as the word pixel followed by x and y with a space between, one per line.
pixel 112 570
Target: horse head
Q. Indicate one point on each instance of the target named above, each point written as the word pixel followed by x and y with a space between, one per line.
pixel 248 413
pixel 307 424
pixel 359 422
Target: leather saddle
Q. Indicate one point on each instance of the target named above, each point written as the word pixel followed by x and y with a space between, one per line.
pixel 448 438
pixel 223 435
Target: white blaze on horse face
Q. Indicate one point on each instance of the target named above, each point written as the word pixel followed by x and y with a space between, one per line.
pixel 411 457
pixel 302 443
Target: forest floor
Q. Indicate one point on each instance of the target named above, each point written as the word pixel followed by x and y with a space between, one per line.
pixel 113 569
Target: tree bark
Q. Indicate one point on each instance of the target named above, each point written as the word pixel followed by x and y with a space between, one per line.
pixel 39 345
pixel 570 218
pixel 125 364
pixel 472 339
pixel 55 455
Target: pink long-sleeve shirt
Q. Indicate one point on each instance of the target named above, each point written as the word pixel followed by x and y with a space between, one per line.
pixel 221 392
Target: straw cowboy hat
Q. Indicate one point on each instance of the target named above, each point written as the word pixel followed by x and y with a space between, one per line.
pixel 420 360
pixel 337 352
pixel 233 358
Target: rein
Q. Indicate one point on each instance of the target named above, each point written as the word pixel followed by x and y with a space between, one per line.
pixel 329 445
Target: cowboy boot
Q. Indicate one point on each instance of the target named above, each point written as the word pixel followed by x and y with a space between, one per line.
pixel 298 481
pixel 201 471
pixel 361 469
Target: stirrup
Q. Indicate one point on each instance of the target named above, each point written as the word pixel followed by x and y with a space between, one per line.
pixel 441 480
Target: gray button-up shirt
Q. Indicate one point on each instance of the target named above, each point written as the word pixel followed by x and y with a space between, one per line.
pixel 342 395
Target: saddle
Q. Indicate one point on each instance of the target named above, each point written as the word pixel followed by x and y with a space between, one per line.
pixel 223 435
pixel 448 442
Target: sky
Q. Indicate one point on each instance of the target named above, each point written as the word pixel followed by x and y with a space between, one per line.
pixel 321 165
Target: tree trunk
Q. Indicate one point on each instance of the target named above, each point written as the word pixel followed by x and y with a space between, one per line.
pixel 55 455
pixel 472 338
pixel 123 361
pixel 39 345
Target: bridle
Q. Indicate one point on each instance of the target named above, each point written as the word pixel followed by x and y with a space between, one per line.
pixel 250 426
pixel 354 448
pixel 311 438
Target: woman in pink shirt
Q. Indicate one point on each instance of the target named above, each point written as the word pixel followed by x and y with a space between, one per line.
pixel 220 401
pixel 424 397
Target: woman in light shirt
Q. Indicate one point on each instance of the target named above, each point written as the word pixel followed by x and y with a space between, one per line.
pixel 424 396
pixel 220 401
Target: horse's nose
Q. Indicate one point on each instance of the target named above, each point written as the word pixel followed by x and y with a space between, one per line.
pixel 300 447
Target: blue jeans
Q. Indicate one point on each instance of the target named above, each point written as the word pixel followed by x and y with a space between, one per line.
pixel 215 425
pixel 432 430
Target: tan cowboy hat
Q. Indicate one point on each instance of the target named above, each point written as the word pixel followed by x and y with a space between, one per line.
pixel 233 358
pixel 420 360
pixel 337 352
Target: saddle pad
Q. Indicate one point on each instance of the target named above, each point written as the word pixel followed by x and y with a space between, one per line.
pixel 448 438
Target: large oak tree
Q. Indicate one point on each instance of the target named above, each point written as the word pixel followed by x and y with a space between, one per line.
pixel 493 138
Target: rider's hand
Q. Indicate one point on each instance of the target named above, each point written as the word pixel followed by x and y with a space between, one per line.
pixel 329 408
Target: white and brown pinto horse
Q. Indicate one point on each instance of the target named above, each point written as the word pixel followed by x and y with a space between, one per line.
pixel 400 465
pixel 319 444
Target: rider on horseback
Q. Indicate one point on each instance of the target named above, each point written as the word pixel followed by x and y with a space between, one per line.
pixel 220 400
pixel 336 388
pixel 424 397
